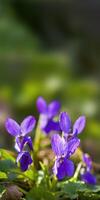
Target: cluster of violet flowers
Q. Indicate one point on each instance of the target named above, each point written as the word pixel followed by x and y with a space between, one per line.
pixel 64 140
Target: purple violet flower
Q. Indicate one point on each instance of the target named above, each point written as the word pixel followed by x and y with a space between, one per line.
pixel 47 113
pixel 63 150
pixel 20 131
pixel 86 174
pixel 88 178
pixel 21 139
pixel 65 125
pixel 24 159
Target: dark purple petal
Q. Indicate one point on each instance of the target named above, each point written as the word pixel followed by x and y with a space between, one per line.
pixel 66 168
pixel 27 125
pixel 12 127
pixel 61 172
pixel 26 140
pixel 41 105
pixel 59 168
pixel 53 109
pixel 69 167
pixel 59 145
pixel 51 126
pixel 88 161
pixel 73 144
pixel 65 122
pixel 88 178
pixel 79 124
pixel 25 160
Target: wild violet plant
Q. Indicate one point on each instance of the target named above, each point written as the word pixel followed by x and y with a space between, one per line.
pixel 64 143
pixel 21 139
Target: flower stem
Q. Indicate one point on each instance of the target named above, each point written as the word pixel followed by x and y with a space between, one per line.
pixel 74 178
pixel 77 171
pixel 54 183
pixel 36 143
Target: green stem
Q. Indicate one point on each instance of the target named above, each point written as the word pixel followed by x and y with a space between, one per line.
pixel 77 171
pixel 36 143
pixel 74 178
pixel 54 183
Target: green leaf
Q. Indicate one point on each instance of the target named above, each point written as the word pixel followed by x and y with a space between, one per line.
pixel 95 189
pixel 30 174
pixel 89 196
pixel 80 190
pixel 2 190
pixel 40 193
pixel 6 165
pixel 70 189
pixel 3 175
pixel 5 154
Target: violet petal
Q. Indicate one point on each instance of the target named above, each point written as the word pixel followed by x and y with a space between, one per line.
pixel 27 125
pixel 41 105
pixel 88 161
pixel 66 168
pixel 56 165
pixel 79 124
pixel 17 144
pixel 25 160
pixel 69 167
pixel 43 121
pixel 59 145
pixel 53 109
pixel 12 127
pixel 88 178
pixel 65 122
pixel 73 144
pixel 51 126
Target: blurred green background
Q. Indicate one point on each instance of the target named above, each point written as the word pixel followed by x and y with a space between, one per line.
pixel 47 49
